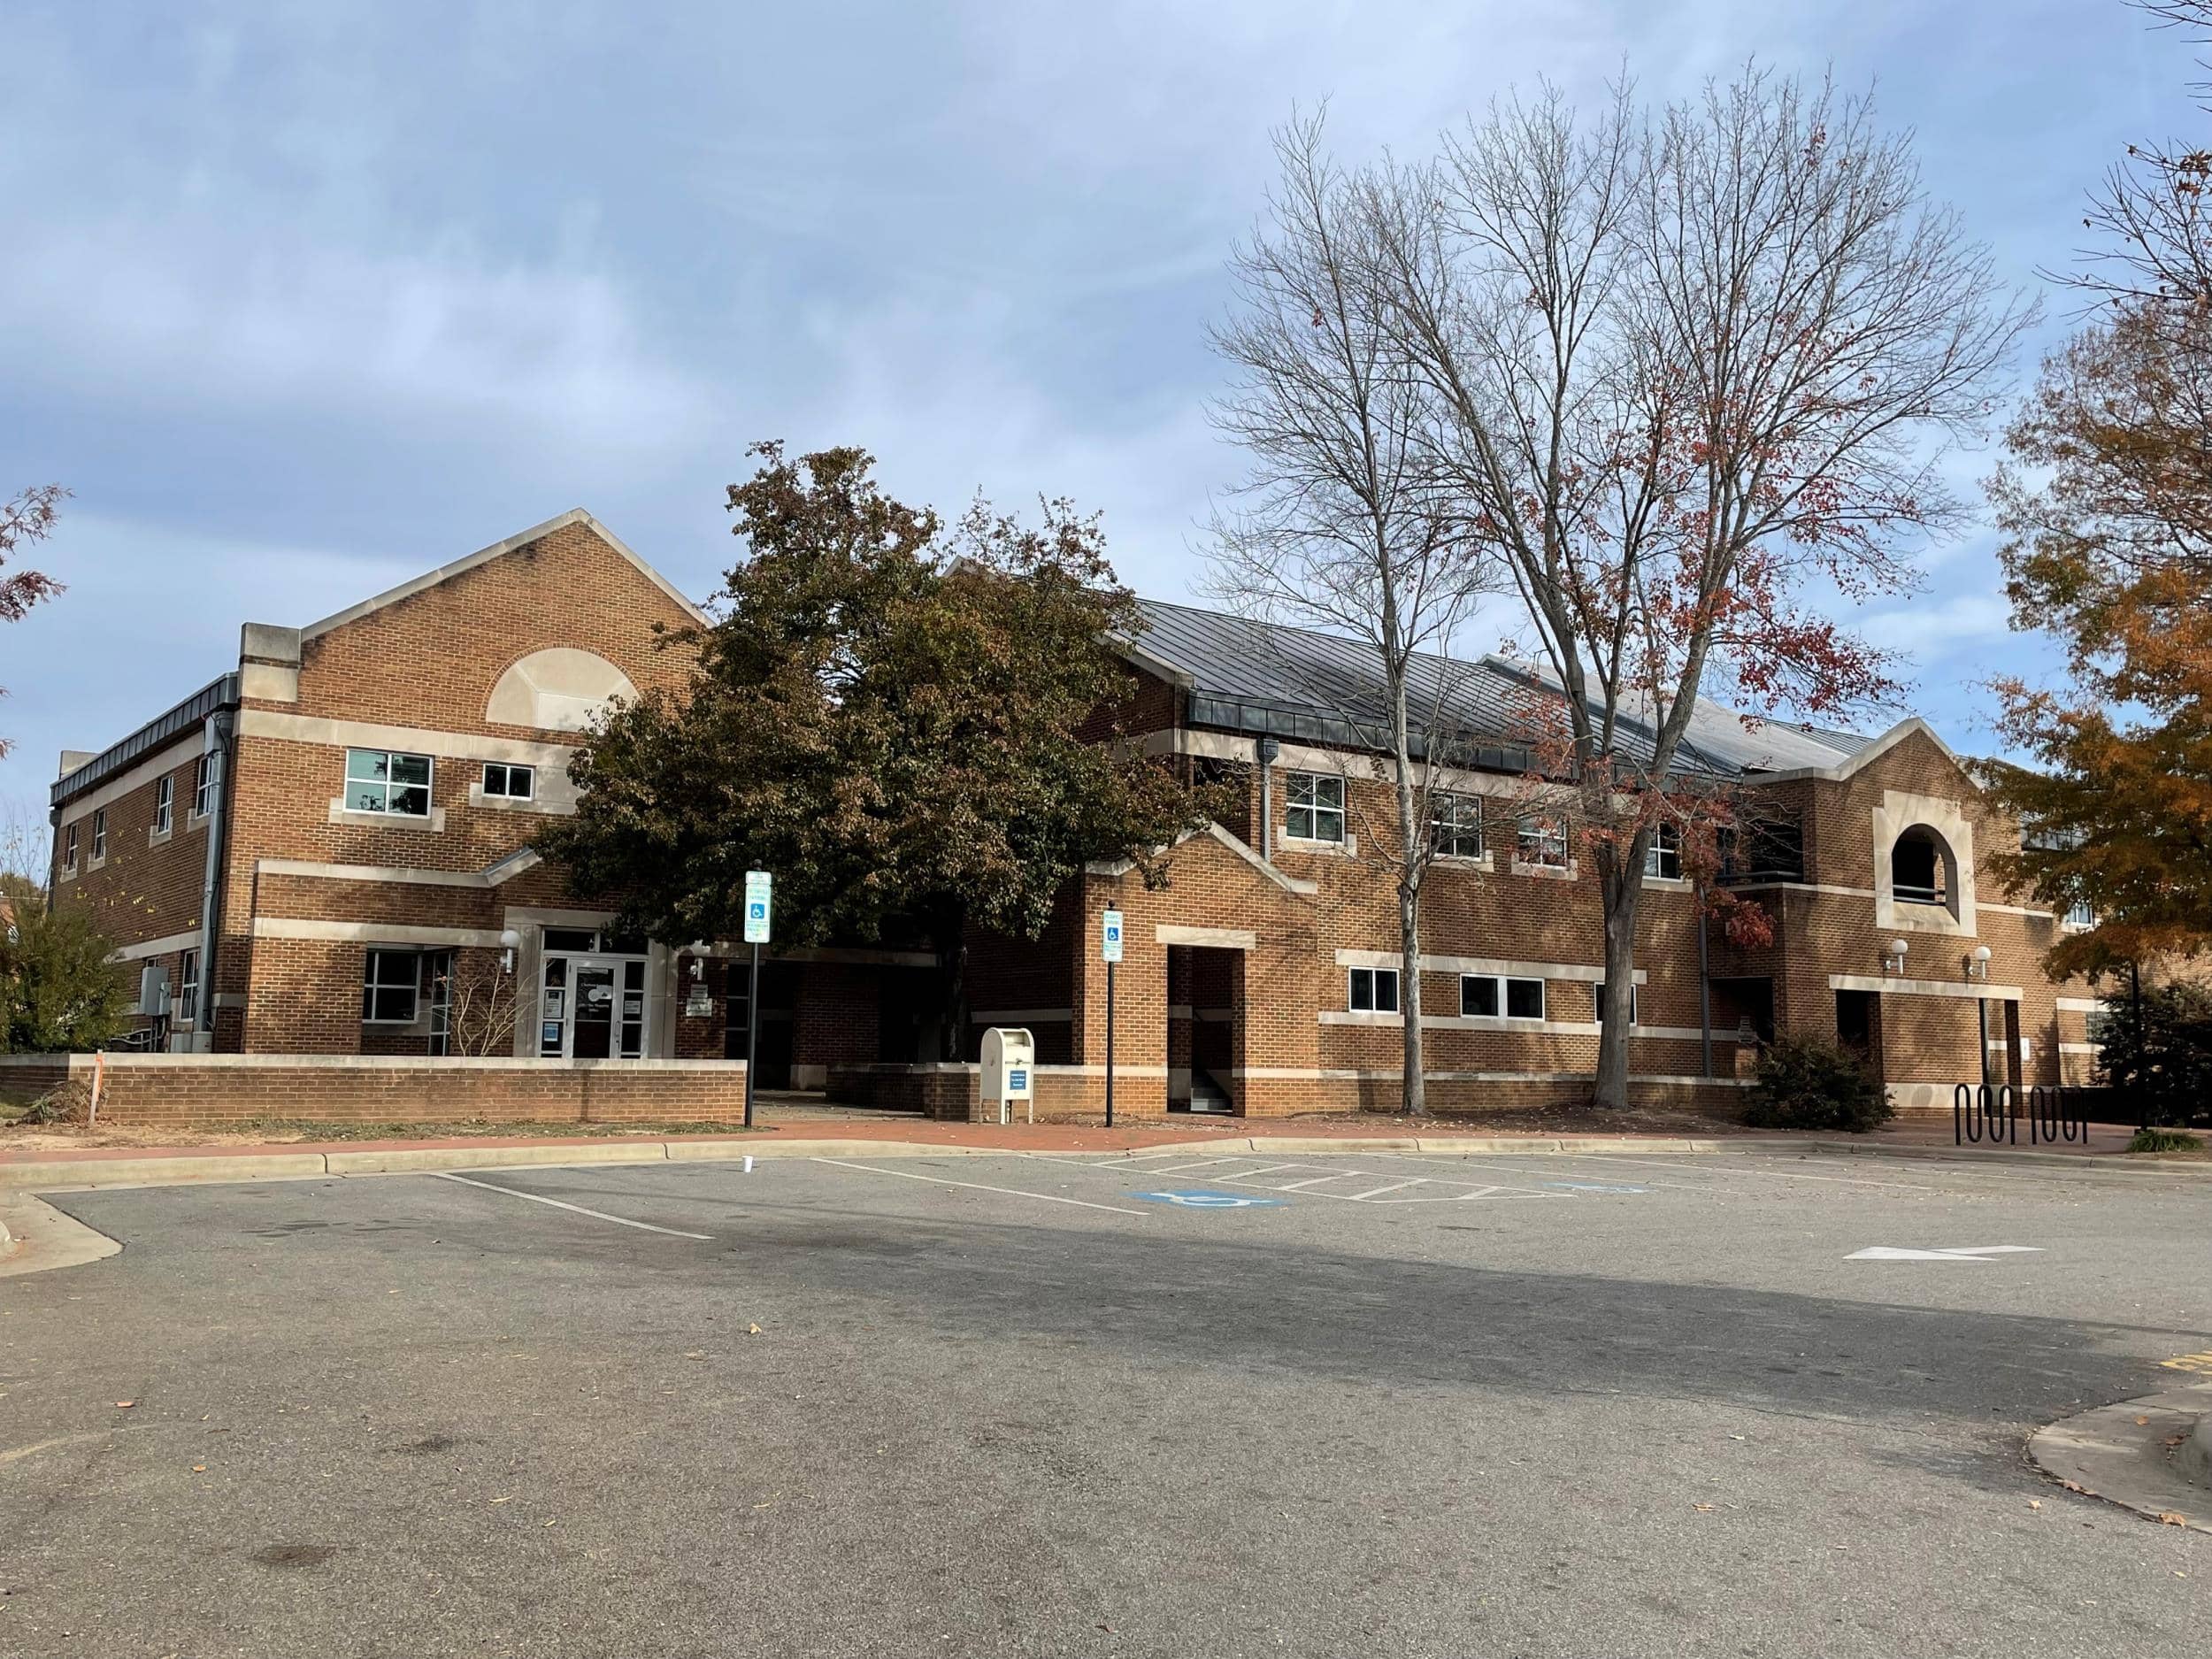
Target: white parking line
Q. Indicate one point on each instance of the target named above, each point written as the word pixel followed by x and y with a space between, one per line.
pixel 1012 1192
pixel 1377 1191
pixel 596 1215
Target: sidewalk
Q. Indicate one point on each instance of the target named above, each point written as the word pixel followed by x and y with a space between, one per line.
pixel 818 1133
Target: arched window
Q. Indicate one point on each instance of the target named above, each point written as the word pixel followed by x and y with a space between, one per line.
pixel 1923 868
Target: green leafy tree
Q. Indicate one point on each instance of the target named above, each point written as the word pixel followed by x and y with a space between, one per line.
pixel 58 991
pixel 908 724
pixel 2156 1049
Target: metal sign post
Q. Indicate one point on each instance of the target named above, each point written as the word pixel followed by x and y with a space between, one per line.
pixel 757 901
pixel 1109 950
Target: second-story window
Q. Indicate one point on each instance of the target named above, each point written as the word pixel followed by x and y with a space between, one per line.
pixel 395 785
pixel 1662 858
pixel 1456 824
pixel 203 786
pixel 99 834
pixel 69 848
pixel 1542 843
pixel 505 782
pixel 165 798
pixel 2081 913
pixel 1317 807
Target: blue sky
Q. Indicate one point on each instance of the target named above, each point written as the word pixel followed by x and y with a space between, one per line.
pixel 302 299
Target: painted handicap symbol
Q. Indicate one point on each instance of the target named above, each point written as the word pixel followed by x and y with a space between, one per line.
pixel 1202 1198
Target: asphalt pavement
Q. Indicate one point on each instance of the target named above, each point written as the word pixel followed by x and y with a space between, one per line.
pixel 1342 1404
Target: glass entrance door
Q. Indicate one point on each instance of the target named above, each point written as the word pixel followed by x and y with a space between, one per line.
pixel 591 1029
pixel 593 1008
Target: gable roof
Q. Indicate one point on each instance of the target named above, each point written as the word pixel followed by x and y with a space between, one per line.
pixel 1275 680
pixel 485 556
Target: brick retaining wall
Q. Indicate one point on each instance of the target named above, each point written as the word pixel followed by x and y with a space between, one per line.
pixel 1078 1093
pixel 212 1091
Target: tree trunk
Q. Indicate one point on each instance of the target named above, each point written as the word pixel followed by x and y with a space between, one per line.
pixel 952 968
pixel 1417 1085
pixel 1621 891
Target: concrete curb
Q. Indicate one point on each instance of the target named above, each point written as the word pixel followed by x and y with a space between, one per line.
pixel 197 1168
pixel 2125 1455
pixel 45 1239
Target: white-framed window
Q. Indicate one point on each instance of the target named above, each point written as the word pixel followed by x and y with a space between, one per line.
pixel 187 1003
pixel 378 780
pixel 391 986
pixel 1317 807
pixel 203 786
pixel 165 798
pixel 1456 824
pixel 1662 856
pixel 1489 996
pixel 1373 991
pixel 69 848
pixel 1541 842
pixel 1597 1001
pixel 99 834
pixel 506 782
pixel 2080 913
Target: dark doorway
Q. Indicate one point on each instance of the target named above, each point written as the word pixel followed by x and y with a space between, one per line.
pixel 1859 1028
pixel 779 997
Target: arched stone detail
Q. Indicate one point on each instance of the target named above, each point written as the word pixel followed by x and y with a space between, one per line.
pixel 560 689
pixel 1921 842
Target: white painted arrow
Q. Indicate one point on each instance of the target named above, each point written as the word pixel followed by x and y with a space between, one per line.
pixel 1977 1253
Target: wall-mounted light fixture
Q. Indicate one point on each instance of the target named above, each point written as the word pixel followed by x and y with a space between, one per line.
pixel 1894 961
pixel 1977 963
pixel 507 940
pixel 700 951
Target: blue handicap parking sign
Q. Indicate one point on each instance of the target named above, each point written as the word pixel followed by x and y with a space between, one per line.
pixel 1203 1198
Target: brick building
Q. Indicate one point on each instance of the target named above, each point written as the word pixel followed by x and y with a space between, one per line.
pixel 328 852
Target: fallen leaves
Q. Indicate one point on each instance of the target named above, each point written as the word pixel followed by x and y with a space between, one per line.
pixel 752 1330
pixel 125 1405
pixel 2172 1518
pixel 1705 1508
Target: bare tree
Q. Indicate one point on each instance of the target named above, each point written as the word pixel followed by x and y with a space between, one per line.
pixel 28 518
pixel 1694 371
pixel 480 1001
pixel 1339 526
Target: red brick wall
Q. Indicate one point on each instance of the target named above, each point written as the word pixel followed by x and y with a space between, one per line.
pixel 216 1091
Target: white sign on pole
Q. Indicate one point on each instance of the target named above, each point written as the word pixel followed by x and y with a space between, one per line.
pixel 757 901
pixel 1110 938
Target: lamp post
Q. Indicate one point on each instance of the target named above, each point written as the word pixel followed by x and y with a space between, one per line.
pixel 1978 970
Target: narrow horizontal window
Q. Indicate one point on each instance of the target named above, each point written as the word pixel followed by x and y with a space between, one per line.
pixel 1525 999
pixel 1477 997
pixel 504 781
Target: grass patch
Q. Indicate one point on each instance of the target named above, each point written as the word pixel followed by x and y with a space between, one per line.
pixel 2164 1141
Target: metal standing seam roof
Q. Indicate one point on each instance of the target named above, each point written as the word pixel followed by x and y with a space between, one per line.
pixel 162 729
pixel 1299 683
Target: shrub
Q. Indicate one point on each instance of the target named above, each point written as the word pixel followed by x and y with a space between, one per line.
pixel 2164 1141
pixel 1807 1083
pixel 2157 1053
pixel 58 991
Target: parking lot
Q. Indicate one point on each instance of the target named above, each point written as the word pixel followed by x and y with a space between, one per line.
pixel 1346 1403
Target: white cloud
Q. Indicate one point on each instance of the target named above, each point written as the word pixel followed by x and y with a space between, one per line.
pixel 1935 628
pixel 176 315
